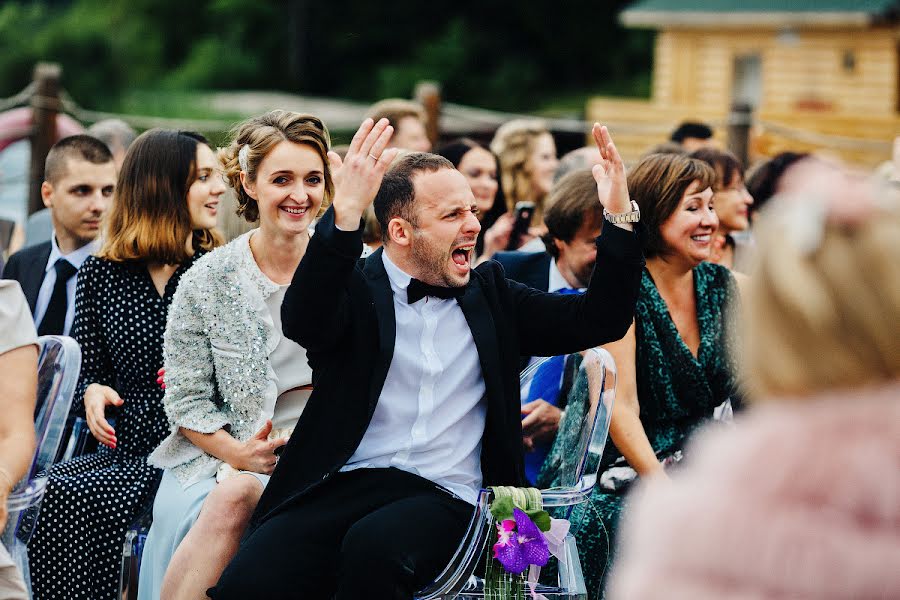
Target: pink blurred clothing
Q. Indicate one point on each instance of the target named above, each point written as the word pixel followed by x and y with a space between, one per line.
pixel 800 501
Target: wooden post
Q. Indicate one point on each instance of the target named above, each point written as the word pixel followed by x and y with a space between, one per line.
pixel 428 94
pixel 45 105
pixel 739 121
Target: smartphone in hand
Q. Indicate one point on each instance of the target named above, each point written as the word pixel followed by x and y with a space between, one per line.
pixel 524 210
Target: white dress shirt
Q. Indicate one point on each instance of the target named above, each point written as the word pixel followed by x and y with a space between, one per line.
pixel 76 258
pixel 430 415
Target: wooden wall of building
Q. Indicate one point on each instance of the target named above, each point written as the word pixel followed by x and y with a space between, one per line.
pixel 803 70
pixel 820 89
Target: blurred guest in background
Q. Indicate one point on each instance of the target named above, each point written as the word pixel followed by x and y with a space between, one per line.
pixel 732 204
pixel 161 221
pixel 408 120
pixel 576 160
pixel 480 167
pixel 18 356
pixel 674 367
pixel 802 500
pixel 693 136
pixel 235 386
pixel 528 162
pixel 764 179
pixel 80 177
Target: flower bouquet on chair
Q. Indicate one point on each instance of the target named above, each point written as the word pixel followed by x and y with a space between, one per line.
pixel 526 538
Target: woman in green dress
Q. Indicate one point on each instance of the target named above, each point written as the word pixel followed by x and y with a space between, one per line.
pixel 674 364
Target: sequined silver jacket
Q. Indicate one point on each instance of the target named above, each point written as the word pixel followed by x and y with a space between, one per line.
pixel 217 343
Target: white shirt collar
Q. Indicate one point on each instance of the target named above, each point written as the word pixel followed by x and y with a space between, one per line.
pixel 399 279
pixel 556 281
pixel 76 257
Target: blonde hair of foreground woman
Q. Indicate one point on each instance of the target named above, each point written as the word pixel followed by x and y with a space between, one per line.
pixel 823 308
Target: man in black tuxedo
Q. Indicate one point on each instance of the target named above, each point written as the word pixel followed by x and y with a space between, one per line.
pixel 80 177
pixel 415 358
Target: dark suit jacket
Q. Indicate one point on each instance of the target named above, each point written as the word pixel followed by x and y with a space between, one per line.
pixel 341 309
pixel 530 268
pixel 27 267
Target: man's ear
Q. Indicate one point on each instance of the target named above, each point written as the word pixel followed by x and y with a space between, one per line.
pixel 248 186
pixel 560 247
pixel 47 194
pixel 400 231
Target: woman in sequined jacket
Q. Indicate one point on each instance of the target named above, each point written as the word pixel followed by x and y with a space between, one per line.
pixel 235 386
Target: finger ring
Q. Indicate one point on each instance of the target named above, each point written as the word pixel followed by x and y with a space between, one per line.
pixel 373 156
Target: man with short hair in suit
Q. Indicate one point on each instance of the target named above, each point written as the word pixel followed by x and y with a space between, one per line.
pixel 574 220
pixel 415 365
pixel 80 177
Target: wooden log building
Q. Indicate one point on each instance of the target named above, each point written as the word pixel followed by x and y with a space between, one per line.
pixel 817 74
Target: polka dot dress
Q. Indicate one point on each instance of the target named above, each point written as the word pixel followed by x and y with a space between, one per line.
pixel 92 500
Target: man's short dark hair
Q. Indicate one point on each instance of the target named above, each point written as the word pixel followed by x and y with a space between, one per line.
pixel 396 195
pixel 78 147
pixel 571 202
pixel 690 129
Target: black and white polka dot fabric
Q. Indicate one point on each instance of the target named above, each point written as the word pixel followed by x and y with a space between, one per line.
pixel 92 500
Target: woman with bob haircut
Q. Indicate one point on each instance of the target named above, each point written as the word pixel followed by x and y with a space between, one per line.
pixel 802 500
pixel 527 155
pixel 161 222
pixel 674 365
pixel 480 168
pixel 235 386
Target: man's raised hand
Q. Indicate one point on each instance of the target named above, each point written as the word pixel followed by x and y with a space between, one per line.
pixel 612 187
pixel 358 177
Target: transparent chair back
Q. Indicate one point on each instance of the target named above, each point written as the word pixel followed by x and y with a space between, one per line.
pixel 58 366
pixel 574 467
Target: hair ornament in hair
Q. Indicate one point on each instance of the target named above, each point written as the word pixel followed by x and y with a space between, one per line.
pixel 244 158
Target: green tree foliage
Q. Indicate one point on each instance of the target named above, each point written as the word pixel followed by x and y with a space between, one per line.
pixel 496 53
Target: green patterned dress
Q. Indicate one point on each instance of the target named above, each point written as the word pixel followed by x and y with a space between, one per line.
pixel 676 391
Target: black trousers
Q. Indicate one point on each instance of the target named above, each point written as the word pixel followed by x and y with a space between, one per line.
pixel 365 534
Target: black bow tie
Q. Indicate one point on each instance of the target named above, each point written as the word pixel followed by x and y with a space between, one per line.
pixel 418 290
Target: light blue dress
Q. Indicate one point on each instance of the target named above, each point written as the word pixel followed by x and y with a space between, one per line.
pixel 177 507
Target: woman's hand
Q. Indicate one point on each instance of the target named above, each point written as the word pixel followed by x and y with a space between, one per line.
pixel 358 177
pixel 96 398
pixel 258 453
pixel 161 378
pixel 612 187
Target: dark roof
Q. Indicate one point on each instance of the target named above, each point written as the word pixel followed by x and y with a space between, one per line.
pixel 660 13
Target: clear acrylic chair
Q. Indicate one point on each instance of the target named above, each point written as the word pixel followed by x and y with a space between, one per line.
pixel 58 366
pixel 576 473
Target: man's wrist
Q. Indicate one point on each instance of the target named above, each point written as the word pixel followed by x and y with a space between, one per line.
pixel 346 219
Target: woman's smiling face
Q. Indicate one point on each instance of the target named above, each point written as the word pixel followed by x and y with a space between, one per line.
pixel 289 188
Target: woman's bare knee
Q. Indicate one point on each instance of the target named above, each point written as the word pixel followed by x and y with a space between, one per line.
pixel 232 502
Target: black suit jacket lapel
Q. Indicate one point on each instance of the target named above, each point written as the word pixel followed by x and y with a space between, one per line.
pixel 543 279
pixel 383 297
pixel 478 315
pixel 33 274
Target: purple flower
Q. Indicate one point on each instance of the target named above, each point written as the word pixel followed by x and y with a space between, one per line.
pixel 517 549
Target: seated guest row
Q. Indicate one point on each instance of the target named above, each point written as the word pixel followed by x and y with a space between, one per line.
pixel 159 295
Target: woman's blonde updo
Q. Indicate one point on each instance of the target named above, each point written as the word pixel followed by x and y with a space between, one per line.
pixel 253 139
pixel 823 305
pixel 513 144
